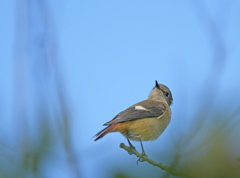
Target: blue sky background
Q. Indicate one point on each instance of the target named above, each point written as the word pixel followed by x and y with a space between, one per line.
pixel 110 53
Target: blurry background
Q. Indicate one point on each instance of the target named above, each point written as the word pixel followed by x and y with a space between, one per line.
pixel 67 67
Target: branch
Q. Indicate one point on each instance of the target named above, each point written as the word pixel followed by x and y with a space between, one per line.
pixel 170 170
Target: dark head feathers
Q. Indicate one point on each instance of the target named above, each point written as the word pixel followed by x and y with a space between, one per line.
pixel 167 93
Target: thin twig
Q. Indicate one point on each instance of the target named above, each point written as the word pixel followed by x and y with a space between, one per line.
pixel 170 170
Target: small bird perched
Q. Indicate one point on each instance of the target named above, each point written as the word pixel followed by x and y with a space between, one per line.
pixel 143 121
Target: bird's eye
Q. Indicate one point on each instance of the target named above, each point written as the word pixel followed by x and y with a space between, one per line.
pixel 167 95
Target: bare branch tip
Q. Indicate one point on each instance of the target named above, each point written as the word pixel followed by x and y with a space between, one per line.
pixel 122 145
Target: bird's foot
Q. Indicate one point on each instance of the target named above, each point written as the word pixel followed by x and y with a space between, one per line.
pixel 131 148
pixel 141 157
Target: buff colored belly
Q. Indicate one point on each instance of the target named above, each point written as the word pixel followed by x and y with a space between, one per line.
pixel 147 128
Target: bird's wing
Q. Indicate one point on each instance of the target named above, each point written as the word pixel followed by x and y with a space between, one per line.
pixel 143 109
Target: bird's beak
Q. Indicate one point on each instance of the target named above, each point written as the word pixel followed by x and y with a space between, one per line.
pixel 157 85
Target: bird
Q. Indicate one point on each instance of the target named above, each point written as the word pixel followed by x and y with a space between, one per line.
pixel 143 121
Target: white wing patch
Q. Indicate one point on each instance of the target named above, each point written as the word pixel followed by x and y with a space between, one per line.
pixel 141 108
pixel 159 117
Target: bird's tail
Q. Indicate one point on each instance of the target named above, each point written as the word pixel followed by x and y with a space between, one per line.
pixel 106 130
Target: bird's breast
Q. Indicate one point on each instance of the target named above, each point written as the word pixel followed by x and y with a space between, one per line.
pixel 147 129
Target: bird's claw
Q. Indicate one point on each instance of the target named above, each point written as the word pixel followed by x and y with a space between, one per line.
pixel 132 148
pixel 140 159
pixel 129 152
